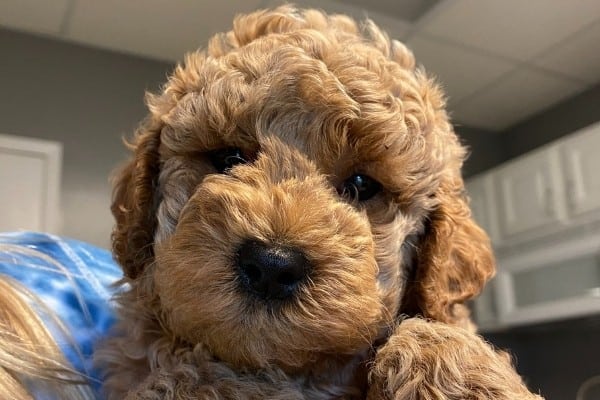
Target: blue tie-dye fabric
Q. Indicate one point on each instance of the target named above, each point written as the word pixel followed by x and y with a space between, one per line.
pixel 73 279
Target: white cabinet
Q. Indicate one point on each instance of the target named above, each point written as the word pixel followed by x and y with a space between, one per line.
pixel 547 191
pixel 531 193
pixel 558 280
pixel 542 212
pixel 30 172
pixel 581 157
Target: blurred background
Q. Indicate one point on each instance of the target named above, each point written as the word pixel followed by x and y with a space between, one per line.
pixel 523 83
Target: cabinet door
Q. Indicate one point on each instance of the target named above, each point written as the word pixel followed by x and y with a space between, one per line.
pixel 581 154
pixel 555 281
pixel 29 184
pixel 483 204
pixel 531 192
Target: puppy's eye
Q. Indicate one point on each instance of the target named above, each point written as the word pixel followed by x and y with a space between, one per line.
pixel 225 159
pixel 360 187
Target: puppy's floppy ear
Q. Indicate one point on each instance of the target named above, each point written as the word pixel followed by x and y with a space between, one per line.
pixel 134 202
pixel 454 260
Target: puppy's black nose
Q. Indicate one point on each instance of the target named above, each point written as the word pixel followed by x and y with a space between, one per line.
pixel 270 271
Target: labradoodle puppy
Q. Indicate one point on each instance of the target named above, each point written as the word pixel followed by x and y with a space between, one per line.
pixel 294 197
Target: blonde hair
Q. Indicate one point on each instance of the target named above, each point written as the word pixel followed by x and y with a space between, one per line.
pixel 30 359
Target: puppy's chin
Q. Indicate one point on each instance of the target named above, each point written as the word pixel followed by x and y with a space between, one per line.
pixel 337 310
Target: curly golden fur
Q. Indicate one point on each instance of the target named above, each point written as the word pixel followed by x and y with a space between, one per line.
pixel 309 100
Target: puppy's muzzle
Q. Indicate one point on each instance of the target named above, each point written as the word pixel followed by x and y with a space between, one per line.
pixel 271 271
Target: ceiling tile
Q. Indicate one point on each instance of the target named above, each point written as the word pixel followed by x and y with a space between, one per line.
pixel 513 28
pixel 395 27
pixel 578 57
pixel 407 10
pixel 153 28
pixel 460 71
pixel 513 98
pixel 33 15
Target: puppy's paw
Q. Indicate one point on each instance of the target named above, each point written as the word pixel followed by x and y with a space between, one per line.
pixel 433 360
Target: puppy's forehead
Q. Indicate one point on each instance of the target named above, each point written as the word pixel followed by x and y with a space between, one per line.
pixel 297 98
pixel 335 96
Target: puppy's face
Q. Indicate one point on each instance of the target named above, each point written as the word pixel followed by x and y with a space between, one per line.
pixel 283 190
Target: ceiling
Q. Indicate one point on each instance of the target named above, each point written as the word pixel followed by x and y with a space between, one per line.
pixel 500 61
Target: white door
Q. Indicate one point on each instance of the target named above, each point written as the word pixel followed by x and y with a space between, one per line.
pixel 531 192
pixel 582 161
pixel 29 184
